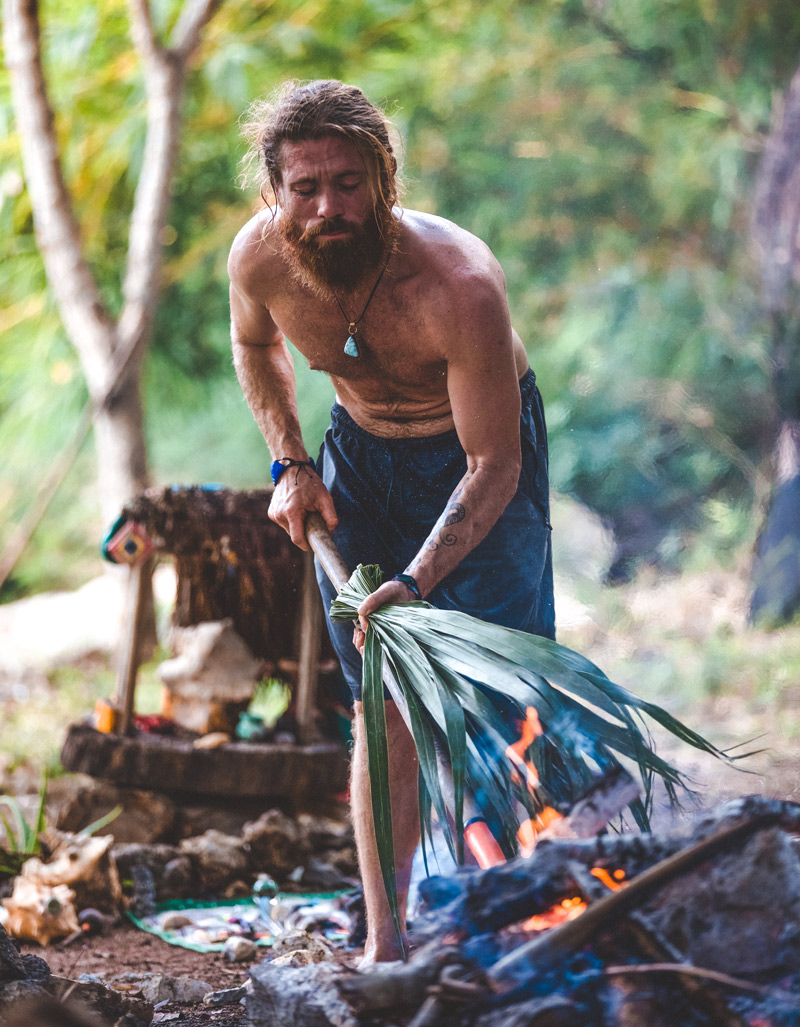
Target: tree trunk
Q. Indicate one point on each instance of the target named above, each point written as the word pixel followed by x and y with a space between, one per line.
pixel 775 575
pixel 111 352
pixel 120 447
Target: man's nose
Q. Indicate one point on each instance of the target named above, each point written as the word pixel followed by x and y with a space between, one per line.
pixel 328 205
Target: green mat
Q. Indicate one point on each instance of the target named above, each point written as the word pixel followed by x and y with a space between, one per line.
pixel 212 923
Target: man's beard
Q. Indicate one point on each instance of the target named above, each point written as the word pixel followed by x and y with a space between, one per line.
pixel 332 265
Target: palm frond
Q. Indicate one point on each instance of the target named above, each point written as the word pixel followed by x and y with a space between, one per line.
pixel 461 685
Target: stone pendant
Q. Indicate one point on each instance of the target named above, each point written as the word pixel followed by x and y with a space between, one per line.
pixel 350 347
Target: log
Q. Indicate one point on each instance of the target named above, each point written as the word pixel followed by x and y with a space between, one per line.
pixel 240 769
pixel 482 901
pixel 606 799
pixel 548 948
pixel 475 904
pixel 389 986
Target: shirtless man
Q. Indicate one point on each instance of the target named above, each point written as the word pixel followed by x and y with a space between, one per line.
pixel 435 464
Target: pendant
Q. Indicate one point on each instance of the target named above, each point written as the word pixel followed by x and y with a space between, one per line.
pixel 350 347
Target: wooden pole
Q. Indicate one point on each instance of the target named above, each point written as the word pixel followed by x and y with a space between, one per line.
pixel 310 641
pixel 128 661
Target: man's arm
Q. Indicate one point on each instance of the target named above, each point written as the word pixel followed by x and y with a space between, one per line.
pixel 265 370
pixel 484 395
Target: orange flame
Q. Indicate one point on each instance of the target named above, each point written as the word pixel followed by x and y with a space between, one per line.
pixel 614 882
pixel 530 728
pixel 529 830
pixel 569 909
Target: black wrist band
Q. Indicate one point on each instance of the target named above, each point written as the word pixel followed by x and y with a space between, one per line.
pixel 285 462
pixel 407 580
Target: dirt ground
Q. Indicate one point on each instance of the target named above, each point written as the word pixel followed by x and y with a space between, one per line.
pixel 126 949
pixel 681 642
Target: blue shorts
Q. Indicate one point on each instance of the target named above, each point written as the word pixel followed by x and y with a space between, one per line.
pixel 389 493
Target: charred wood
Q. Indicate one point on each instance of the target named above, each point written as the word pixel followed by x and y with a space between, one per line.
pixel 390 986
pixel 552 945
pixel 480 901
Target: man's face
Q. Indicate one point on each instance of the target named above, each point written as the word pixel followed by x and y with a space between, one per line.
pixel 327 217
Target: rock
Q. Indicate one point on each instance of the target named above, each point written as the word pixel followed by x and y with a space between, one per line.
pixel 211 679
pixel 36 968
pixel 237 890
pixel 11 966
pixel 226 996
pixel 324 832
pixel 155 988
pixel 740 914
pixel 308 995
pixel 108 1005
pixel 217 858
pixel 292 941
pixel 89 1003
pixel 240 950
pixel 171 869
pixel 176 881
pixel 143 896
pixel 297 957
pixel 174 921
pixel 77 800
pixel 276 844
pixel 321 876
pixel 14 995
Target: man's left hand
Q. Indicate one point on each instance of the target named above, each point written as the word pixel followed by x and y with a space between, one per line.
pixel 389 592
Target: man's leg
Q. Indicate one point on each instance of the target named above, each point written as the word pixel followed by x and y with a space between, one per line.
pixel 382 942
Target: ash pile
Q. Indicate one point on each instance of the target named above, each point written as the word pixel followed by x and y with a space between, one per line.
pixel 699 927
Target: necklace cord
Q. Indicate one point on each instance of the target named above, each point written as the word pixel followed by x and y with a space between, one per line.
pixel 353 325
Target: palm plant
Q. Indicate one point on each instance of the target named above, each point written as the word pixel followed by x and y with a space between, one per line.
pixel 22 838
pixel 461 685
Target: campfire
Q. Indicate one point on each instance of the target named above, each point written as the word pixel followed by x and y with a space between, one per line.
pixel 696 927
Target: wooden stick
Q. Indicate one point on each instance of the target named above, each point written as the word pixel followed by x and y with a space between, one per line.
pixel 310 640
pixel 128 660
pixel 686 969
pixel 546 949
pixel 324 548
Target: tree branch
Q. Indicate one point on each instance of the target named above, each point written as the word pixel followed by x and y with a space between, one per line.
pixel 84 315
pixel 143 32
pixel 186 33
pixel 165 72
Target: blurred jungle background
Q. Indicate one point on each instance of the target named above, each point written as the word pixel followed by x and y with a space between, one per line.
pixel 634 167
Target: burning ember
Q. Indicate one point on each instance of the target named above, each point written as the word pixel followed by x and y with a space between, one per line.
pixel 567 909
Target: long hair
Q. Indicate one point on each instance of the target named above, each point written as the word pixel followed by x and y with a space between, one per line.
pixel 312 110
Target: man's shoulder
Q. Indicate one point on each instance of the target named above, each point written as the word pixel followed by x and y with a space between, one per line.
pixel 255 248
pixel 442 245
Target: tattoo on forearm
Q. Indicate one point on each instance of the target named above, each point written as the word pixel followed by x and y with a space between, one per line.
pixel 454 513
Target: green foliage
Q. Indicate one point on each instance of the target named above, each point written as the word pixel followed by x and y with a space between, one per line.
pixel 606 152
pixel 22 838
pixel 270 700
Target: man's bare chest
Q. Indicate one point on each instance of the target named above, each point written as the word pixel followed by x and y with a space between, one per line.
pixel 396 350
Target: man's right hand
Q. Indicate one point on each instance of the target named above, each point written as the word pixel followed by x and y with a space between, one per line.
pixel 298 493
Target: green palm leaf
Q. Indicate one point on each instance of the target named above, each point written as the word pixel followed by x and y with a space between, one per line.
pixel 460 683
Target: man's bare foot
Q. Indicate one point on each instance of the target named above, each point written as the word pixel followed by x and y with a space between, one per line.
pixel 390 952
